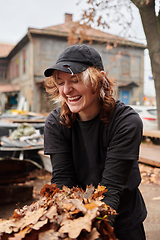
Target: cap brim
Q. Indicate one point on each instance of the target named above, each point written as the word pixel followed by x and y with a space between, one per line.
pixel 68 67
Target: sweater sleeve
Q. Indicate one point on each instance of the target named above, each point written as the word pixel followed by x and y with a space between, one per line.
pixel 122 154
pixel 55 139
pixel 62 170
pixel 57 144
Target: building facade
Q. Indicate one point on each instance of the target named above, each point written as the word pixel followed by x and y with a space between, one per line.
pixel 39 48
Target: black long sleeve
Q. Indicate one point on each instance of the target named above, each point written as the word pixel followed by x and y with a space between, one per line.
pixel 114 177
pixel 63 172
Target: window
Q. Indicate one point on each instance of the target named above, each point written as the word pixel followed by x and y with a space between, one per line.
pixel 17 67
pixel 14 68
pixel 24 61
pixel 125 65
pixel 3 70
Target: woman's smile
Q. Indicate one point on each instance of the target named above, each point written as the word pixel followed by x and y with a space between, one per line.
pixel 74 99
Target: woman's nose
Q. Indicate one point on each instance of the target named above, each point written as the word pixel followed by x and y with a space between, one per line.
pixel 67 89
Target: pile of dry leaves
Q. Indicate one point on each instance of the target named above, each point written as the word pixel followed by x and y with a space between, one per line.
pixel 61 214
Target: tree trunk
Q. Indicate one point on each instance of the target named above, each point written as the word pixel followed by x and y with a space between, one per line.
pixel 150 26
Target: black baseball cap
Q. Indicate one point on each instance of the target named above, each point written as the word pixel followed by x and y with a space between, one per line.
pixel 76 59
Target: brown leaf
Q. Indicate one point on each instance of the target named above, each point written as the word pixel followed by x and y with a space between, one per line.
pixel 40 224
pixel 49 190
pixel 74 227
pixel 51 212
pixel 32 217
pixel 98 193
pixel 20 235
pixel 88 193
pixel 48 235
pixel 90 206
pixel 17 214
pixel 94 234
pixel 72 205
pixel 5 226
pixel 107 230
pixel 96 204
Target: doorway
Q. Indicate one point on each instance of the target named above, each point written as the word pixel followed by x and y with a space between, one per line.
pixel 125 97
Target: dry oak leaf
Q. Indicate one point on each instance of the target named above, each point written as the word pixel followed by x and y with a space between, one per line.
pixel 17 214
pixel 51 212
pixel 48 235
pixel 71 205
pixel 74 227
pixel 31 217
pixel 94 234
pixel 14 224
pixel 40 224
pixel 98 193
pixel 88 193
pixel 21 234
pixel 5 226
pixel 9 226
pixel 94 204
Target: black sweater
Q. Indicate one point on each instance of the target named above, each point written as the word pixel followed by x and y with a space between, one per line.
pixel 92 153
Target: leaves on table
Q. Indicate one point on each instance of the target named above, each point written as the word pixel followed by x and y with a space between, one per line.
pixel 61 214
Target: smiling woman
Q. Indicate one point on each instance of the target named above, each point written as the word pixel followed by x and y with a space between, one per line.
pixel 77 93
pixel 78 97
pixel 94 139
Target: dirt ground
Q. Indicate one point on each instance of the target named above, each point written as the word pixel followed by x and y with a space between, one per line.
pixel 151 195
pixel 149 187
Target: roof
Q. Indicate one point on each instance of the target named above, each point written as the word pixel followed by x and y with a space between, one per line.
pixel 86 33
pixel 129 84
pixel 9 88
pixel 5 49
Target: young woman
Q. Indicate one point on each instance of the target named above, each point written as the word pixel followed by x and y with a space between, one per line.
pixel 94 139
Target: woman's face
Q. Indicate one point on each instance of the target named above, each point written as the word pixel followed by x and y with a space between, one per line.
pixel 79 97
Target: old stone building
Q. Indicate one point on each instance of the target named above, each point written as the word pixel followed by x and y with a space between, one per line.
pixel 8 92
pixel 39 49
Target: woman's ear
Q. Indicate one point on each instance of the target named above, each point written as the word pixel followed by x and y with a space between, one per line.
pixel 105 81
pixel 103 73
pixel 104 76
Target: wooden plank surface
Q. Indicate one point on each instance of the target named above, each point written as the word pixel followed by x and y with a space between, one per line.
pixel 28 120
pixel 150 154
pixel 15 193
pixel 152 133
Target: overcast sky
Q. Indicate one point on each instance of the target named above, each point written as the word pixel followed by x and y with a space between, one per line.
pixel 17 15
